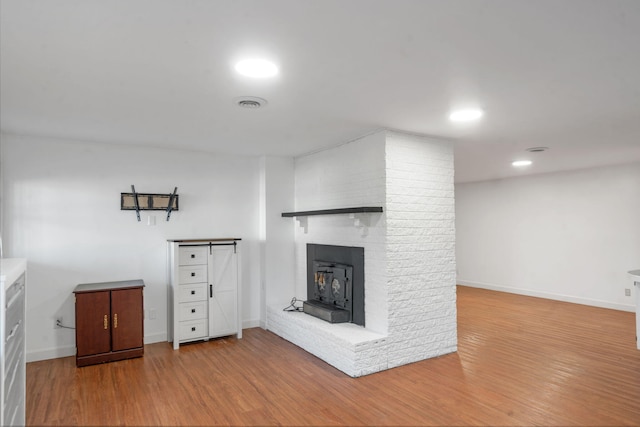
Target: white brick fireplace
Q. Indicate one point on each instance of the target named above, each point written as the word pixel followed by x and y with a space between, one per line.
pixel 410 294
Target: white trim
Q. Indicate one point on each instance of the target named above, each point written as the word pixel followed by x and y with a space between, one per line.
pixel 58 352
pixel 51 353
pixel 255 323
pixel 154 338
pixel 557 297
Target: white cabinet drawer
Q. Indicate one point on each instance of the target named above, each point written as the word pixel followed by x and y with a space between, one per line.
pixel 193 255
pixel 14 348
pixel 193 310
pixel 192 293
pixel 193 274
pixel 193 329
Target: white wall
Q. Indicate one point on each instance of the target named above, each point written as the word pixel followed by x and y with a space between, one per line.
pixel 570 236
pixel 62 212
pixel 277 233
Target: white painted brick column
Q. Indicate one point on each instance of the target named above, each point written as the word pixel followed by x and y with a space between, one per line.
pixel 410 293
pixel 420 248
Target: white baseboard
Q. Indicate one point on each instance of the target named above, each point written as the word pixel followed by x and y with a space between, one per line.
pixel 50 353
pixel 547 295
pixel 154 338
pixel 58 352
pixel 246 324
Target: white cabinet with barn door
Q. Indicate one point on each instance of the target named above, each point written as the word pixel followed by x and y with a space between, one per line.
pixel 205 289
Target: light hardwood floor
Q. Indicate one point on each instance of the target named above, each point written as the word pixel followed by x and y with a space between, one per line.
pixel 520 361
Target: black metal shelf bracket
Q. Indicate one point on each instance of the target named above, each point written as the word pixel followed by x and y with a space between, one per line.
pixel 135 199
pixel 170 205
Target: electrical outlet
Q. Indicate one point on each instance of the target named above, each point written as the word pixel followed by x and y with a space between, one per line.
pixel 627 292
pixel 57 322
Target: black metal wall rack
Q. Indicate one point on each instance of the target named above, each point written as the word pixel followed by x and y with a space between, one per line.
pixel 149 202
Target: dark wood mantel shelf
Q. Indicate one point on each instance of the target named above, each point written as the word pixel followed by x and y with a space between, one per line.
pixel 364 209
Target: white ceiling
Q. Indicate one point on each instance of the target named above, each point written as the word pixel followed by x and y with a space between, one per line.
pixel 563 74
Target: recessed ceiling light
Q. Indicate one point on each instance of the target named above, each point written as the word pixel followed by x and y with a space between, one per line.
pixel 256 68
pixel 468 115
pixel 521 163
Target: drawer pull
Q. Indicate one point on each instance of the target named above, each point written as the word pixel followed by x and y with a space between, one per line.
pixel 105 322
pixel 13 331
pixel 193 274
pixel 193 310
pixel 193 255
pixel 193 329
pixel 115 320
pixel 193 292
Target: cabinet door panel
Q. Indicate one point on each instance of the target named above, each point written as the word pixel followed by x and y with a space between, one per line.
pixel 224 269
pixel 126 308
pixel 223 313
pixel 223 300
pixel 93 332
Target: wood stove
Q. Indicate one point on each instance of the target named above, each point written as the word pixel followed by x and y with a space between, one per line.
pixel 335 283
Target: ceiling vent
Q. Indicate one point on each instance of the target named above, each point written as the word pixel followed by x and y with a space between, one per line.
pixel 537 149
pixel 251 102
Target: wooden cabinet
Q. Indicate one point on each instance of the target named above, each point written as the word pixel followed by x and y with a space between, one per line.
pixel 109 321
pixel 205 291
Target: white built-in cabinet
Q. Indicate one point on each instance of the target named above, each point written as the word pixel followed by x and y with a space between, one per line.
pixel 204 289
pixel 13 345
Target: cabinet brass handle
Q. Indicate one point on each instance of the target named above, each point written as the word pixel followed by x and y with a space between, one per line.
pixel 115 320
pixel 193 292
pixel 193 310
pixel 193 329
pixel 193 274
pixel 105 322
